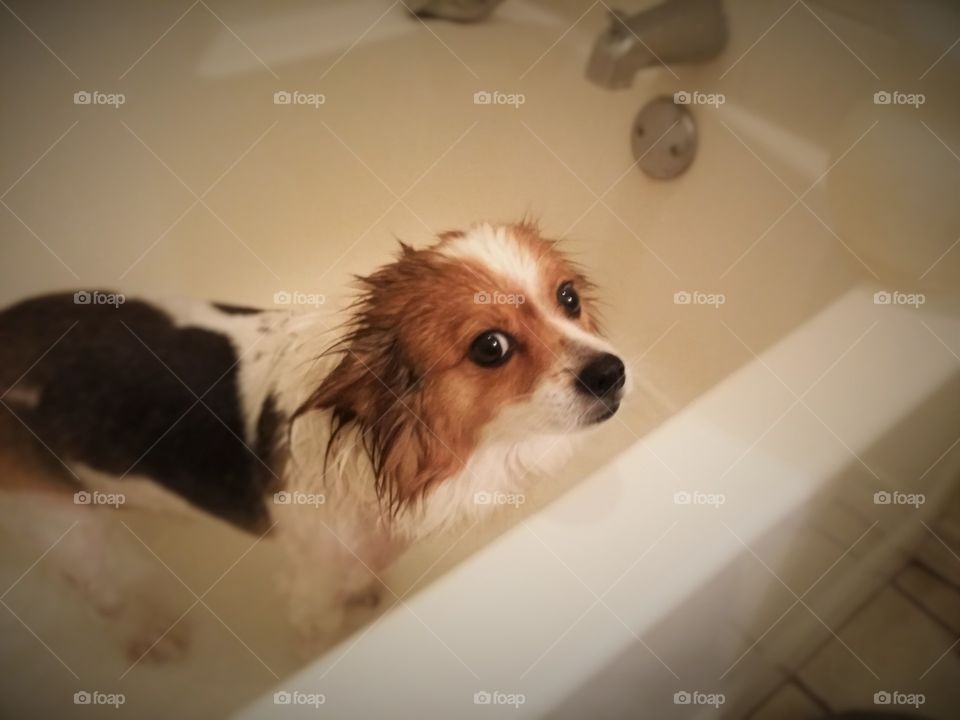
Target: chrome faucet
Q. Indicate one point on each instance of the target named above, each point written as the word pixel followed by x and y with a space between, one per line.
pixel 675 31
pixel 456 10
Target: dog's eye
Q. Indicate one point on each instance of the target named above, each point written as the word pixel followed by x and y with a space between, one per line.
pixel 491 348
pixel 569 299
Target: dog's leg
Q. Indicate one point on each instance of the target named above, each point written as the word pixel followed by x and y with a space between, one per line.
pixel 329 573
pixel 103 562
pixel 314 613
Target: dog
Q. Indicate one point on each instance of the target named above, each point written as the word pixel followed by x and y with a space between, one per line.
pixel 464 370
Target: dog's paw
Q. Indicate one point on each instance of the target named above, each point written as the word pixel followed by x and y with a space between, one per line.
pixel 316 629
pixel 367 599
pixel 150 628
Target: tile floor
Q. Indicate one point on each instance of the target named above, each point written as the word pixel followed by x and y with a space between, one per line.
pixel 905 639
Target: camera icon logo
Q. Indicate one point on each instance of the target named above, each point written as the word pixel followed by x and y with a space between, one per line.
pixel 82 97
pixel 882 97
pixel 681 97
pixel 82 497
pixel 482 298
pixel 681 697
pixel 682 497
pixel 282 697
pixel 682 298
pixel 482 498
pixel 82 297
pixel 882 698
pixel 82 697
pixel 282 298
pixel 282 97
pixel 882 297
pixel 282 498
pixel 482 698
pixel 482 97
pixel 882 497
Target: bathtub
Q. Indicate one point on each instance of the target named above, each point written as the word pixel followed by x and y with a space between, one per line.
pixel 788 306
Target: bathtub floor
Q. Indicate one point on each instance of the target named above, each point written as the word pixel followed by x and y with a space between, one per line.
pixel 54 644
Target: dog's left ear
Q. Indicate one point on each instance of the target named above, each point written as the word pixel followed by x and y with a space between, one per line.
pixel 376 390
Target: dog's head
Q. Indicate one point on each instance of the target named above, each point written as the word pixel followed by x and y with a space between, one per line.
pixel 489 335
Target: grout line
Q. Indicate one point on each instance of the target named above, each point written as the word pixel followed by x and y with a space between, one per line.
pixel 921 562
pixel 840 625
pixel 752 710
pixel 923 609
pixel 925 563
pixel 814 698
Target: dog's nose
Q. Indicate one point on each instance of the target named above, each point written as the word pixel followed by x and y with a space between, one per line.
pixel 602 376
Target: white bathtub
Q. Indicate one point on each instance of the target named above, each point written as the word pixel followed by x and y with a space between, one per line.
pixel 792 403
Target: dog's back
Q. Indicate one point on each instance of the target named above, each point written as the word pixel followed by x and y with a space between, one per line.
pixel 123 389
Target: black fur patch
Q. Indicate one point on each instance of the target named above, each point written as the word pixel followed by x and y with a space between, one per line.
pixel 119 391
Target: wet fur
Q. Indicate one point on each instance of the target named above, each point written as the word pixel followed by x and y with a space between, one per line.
pixel 389 422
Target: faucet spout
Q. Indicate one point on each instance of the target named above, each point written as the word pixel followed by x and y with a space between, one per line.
pixel 455 10
pixel 675 31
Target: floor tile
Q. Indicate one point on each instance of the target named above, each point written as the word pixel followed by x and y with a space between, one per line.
pixel 940 551
pixel 933 594
pixel 789 703
pixel 889 646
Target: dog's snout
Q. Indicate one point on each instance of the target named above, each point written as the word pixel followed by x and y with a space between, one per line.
pixel 602 376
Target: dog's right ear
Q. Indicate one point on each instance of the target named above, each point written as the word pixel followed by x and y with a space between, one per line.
pixel 375 393
pixel 376 388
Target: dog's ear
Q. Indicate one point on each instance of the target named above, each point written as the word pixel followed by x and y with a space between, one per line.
pixel 377 390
